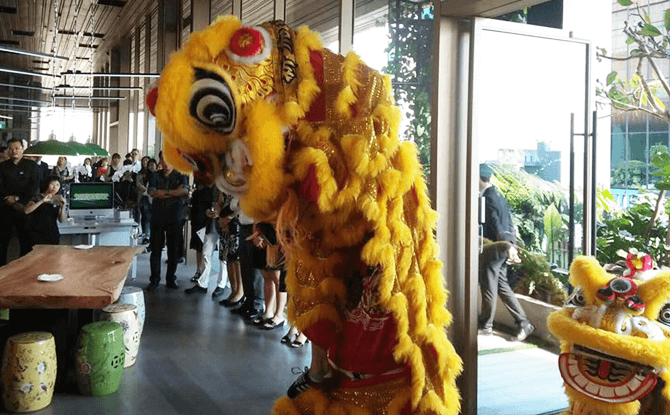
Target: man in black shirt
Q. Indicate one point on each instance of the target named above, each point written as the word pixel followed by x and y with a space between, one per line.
pixel 18 184
pixel 498 227
pixel 168 188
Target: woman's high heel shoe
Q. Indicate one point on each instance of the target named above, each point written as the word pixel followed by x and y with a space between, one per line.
pixel 288 338
pixel 296 344
pixel 228 303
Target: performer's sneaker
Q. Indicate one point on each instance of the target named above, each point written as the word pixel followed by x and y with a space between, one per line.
pixel 301 384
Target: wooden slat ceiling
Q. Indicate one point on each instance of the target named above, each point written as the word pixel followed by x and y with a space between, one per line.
pixel 88 29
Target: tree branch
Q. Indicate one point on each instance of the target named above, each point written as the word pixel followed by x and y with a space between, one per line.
pixel 631 108
pixel 659 76
pixel 650 97
pixel 659 203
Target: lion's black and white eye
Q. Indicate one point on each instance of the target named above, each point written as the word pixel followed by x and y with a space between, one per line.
pixel 212 102
pixel 664 315
pixel 577 298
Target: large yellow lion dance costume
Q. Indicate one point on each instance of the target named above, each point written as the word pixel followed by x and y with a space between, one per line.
pixel 615 342
pixel 309 139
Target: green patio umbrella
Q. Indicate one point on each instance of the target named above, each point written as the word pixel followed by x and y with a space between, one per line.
pixel 99 151
pixel 82 149
pixel 50 148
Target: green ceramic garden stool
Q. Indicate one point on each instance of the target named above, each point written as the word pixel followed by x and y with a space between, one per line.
pixel 99 358
pixel 28 371
pixel 126 315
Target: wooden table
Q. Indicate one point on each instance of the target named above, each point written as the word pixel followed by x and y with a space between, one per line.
pixel 92 278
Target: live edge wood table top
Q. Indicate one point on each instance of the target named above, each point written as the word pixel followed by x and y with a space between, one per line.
pixel 92 278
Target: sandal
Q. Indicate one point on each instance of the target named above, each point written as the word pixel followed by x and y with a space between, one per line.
pixel 296 344
pixel 288 338
pixel 271 325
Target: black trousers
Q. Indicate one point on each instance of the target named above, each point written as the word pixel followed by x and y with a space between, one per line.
pixel 145 215
pixel 171 235
pixel 252 282
pixel 493 282
pixel 9 219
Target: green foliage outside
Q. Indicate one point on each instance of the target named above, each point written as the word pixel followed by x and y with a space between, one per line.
pixel 631 174
pixel 529 197
pixel 409 65
pixel 648 88
pixel 536 279
pixel 624 229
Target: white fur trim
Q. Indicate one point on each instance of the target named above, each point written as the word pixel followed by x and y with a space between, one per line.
pixel 253 60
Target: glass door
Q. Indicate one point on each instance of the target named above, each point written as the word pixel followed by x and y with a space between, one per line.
pixel 526 84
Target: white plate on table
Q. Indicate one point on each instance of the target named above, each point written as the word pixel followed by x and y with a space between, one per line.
pixel 49 277
pixel 83 246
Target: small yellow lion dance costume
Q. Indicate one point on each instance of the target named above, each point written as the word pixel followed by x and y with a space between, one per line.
pixel 615 342
pixel 309 139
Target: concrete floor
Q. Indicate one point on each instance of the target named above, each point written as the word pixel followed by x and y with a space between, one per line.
pixel 197 358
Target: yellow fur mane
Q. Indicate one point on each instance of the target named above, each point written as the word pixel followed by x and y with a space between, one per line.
pixel 371 203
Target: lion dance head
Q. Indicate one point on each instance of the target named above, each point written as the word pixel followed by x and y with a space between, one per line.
pixel 615 340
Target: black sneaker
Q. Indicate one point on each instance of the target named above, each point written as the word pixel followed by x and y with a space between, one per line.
pixel 217 292
pixel 172 284
pixel 196 289
pixel 300 385
pixel 524 332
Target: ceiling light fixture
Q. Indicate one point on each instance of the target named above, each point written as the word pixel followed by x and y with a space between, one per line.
pixel 89 97
pixel 27 73
pixel 101 88
pixel 39 101
pixel 113 75
pixel 32 107
pixel 37 88
pixel 9 49
pixel 4 117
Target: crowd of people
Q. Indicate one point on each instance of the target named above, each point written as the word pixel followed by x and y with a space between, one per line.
pixel 32 201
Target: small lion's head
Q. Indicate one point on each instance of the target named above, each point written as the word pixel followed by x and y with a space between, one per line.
pixel 615 335
pixel 218 104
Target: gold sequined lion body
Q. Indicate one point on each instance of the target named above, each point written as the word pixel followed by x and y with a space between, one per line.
pixel 615 342
pixel 308 139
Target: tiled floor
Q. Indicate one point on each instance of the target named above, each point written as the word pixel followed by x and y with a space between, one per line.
pixel 517 378
pixel 197 358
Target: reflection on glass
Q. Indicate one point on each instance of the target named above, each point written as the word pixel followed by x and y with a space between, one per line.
pixel 524 132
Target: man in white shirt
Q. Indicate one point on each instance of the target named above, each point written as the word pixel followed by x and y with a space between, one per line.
pixel 137 162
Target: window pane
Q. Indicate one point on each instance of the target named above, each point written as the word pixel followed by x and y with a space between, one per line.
pixel 637 147
pixel 220 7
pixel 322 16
pixel 255 12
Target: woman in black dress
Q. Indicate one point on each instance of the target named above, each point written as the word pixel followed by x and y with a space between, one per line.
pixel 229 247
pixel 43 213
